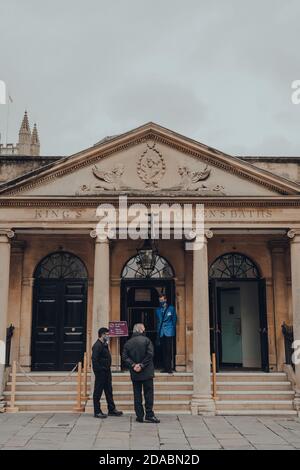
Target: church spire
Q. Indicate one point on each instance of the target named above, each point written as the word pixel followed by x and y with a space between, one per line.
pixel 24 137
pixel 35 142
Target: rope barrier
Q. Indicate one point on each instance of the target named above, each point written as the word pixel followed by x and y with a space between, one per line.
pixel 48 383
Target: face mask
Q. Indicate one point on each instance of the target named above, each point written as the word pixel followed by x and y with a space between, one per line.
pixel 163 303
pixel 106 339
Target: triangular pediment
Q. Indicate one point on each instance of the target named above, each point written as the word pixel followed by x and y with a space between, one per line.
pixel 149 159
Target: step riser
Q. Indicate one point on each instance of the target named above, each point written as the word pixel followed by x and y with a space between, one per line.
pixel 251 378
pixel 173 396
pixel 253 406
pixel 255 397
pixel 286 386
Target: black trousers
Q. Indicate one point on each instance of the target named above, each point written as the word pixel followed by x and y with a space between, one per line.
pixel 167 352
pixel 138 386
pixel 103 381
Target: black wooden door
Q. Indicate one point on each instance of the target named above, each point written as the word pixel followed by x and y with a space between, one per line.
pixel 59 323
pixel 137 308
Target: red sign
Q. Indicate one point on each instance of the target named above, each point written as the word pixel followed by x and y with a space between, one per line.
pixel 118 328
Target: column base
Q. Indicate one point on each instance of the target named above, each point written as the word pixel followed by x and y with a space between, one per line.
pixel 13 409
pixel 89 407
pixel 297 402
pixel 203 405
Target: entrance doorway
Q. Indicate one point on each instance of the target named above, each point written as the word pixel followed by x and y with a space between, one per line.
pixel 140 298
pixel 59 312
pixel 238 319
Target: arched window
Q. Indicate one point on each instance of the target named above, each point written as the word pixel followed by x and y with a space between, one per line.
pixel 133 269
pixel 61 265
pixel 233 266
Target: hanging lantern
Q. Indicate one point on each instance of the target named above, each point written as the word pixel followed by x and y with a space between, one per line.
pixel 147 257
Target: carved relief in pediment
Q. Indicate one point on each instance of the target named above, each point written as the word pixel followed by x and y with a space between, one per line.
pixel 146 173
pixel 151 167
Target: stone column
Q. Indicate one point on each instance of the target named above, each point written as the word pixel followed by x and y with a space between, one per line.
pixel 278 251
pixel 5 236
pixel 101 291
pixel 26 322
pixel 202 402
pixel 101 296
pixel 294 235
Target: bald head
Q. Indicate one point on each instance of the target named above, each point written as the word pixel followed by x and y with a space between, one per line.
pixel 139 328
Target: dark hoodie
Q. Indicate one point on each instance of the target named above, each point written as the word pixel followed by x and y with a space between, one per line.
pixel 139 350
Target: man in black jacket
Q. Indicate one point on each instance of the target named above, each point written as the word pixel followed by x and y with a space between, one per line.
pixel 138 355
pixel 101 361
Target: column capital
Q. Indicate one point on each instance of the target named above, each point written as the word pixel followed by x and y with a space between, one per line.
pixel 99 239
pixel 293 234
pixel 203 237
pixel 6 234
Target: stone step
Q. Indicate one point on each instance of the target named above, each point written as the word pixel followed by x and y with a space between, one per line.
pixel 254 405
pixel 251 377
pixel 71 395
pixel 117 386
pixel 263 385
pixel 165 406
pixel 256 395
pixel 281 413
pixel 117 377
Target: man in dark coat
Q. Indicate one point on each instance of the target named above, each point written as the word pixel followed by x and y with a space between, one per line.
pixel 138 355
pixel 101 361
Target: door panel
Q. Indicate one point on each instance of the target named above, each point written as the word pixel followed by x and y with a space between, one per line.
pixel 59 324
pixel 231 328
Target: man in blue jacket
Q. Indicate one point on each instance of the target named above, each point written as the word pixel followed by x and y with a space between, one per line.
pixel 166 330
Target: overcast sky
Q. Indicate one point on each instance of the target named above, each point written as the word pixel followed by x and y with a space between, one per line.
pixel 219 71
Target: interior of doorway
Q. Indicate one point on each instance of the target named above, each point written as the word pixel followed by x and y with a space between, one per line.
pixel 139 300
pixel 237 322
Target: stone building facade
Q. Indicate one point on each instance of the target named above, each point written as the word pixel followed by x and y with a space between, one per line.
pixel 60 281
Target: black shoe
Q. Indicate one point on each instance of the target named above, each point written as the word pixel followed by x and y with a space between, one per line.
pixel 152 419
pixel 100 415
pixel 163 371
pixel 115 412
pixel 139 420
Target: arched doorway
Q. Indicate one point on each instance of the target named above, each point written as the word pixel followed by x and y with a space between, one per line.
pixel 238 318
pixel 139 298
pixel 59 312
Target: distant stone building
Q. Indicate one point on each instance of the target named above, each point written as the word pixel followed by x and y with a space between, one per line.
pixel 18 159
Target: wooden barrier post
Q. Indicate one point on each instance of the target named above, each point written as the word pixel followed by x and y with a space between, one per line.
pixel 12 408
pixel 85 375
pixel 78 406
pixel 214 376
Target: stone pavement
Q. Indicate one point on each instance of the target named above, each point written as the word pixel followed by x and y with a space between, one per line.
pixel 82 431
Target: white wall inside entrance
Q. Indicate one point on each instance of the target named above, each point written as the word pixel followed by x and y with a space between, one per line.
pixel 249 311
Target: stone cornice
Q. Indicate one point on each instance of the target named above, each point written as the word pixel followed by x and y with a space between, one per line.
pixel 159 134
pixel 91 202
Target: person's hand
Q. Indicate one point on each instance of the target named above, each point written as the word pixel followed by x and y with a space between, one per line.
pixel 137 368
